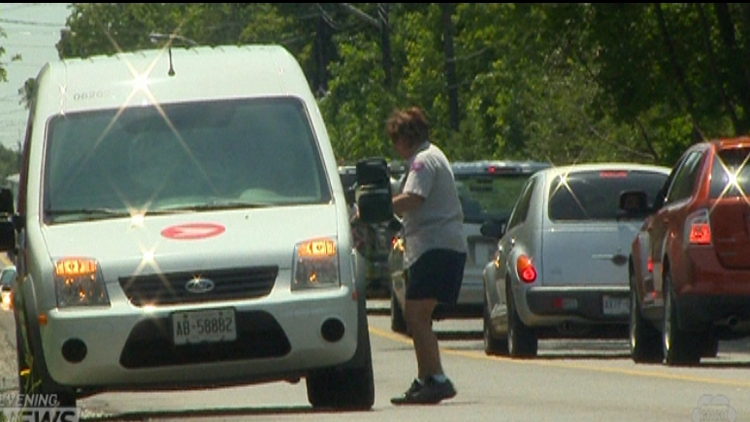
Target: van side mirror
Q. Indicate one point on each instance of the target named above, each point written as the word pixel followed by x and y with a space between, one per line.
pixel 7 227
pixel 373 195
pixel 6 202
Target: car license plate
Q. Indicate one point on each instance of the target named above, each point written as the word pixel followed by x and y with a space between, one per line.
pixel 615 305
pixel 204 326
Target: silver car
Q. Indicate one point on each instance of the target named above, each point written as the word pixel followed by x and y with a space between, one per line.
pixel 488 190
pixel 560 269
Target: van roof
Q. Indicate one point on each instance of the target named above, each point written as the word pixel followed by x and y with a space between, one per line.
pixel 144 77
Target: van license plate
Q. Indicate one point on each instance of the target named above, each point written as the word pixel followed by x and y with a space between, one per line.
pixel 204 326
pixel 615 305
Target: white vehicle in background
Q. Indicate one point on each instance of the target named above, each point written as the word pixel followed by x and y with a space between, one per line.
pixel 181 224
pixel 561 265
pixel 7 277
pixel 488 190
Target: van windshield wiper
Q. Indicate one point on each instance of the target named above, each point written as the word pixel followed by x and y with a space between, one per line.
pixel 208 206
pixel 89 213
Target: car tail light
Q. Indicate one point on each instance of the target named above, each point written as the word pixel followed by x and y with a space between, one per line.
pixel 650 264
pixel 698 228
pixel 525 269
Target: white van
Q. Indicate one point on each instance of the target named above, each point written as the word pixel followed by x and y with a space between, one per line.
pixel 181 223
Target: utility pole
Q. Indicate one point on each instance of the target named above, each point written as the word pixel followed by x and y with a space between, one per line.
pixel 385 43
pixel 385 38
pixel 450 66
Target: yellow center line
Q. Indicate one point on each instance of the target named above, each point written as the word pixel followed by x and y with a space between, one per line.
pixel 589 367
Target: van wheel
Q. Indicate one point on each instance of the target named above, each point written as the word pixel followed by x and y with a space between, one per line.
pixel 29 379
pixel 492 344
pixel 522 340
pixel 342 388
pixel 350 386
pixel 645 342
pixel 680 346
pixel 27 382
pixel 398 323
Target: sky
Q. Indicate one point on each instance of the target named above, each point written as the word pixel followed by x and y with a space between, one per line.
pixel 31 30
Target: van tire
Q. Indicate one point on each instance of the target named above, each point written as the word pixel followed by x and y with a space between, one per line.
pixel 30 381
pixel 350 386
pixel 342 388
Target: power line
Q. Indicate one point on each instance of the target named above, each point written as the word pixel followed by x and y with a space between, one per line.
pixel 31 23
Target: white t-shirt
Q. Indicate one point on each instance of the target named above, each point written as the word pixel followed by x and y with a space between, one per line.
pixel 438 222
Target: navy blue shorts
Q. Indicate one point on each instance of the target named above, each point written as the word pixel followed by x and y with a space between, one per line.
pixel 437 274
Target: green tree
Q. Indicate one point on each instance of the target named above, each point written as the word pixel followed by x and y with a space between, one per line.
pixel 567 82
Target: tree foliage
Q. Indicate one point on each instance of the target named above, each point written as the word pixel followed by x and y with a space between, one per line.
pixel 561 82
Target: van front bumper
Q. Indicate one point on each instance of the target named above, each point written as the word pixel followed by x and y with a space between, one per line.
pixel 133 347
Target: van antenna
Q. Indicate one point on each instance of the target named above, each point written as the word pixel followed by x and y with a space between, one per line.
pixel 155 37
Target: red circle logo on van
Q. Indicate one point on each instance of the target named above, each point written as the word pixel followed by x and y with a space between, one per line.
pixel 193 231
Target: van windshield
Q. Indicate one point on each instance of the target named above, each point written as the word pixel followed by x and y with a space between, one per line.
pixel 184 157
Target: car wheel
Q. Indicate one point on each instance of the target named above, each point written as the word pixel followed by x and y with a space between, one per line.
pixel 522 340
pixel 398 323
pixel 492 344
pixel 645 342
pixel 680 346
pixel 709 345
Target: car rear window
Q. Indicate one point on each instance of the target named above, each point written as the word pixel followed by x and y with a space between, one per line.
pixel 594 195
pixel 730 173
pixel 486 196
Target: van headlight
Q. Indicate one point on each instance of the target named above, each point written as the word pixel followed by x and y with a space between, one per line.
pixel 79 282
pixel 316 265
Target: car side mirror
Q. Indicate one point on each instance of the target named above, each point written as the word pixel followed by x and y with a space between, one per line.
pixel 373 192
pixel 633 204
pixel 493 228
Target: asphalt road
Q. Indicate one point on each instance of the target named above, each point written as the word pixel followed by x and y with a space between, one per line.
pixel 583 380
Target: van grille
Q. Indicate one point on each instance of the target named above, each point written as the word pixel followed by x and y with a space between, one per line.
pixel 228 284
pixel 150 345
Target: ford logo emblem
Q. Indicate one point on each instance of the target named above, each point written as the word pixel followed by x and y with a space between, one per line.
pixel 199 285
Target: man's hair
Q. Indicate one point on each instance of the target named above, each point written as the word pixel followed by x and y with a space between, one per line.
pixel 409 124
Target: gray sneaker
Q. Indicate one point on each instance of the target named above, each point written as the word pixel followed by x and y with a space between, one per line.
pixel 431 392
